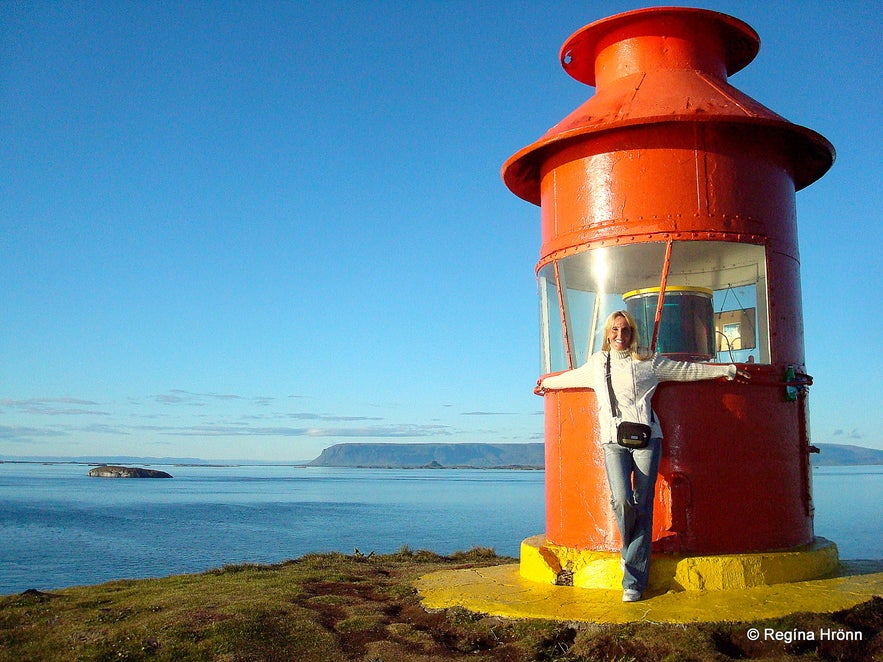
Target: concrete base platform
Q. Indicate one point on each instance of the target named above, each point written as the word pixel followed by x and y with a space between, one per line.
pixel 502 591
pixel 548 563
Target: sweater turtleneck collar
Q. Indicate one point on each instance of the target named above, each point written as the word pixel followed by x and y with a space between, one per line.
pixel 620 353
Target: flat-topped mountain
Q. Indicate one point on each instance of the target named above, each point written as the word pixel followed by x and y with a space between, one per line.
pixel 832 455
pixel 483 456
pixel 526 456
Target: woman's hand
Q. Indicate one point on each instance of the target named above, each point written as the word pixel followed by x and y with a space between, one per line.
pixel 742 375
pixel 539 389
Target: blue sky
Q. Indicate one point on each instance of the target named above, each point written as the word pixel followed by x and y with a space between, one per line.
pixel 253 230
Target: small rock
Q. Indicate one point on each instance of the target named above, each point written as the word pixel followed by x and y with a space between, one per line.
pixel 110 471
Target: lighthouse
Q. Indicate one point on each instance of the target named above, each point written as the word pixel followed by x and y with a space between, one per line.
pixel 671 194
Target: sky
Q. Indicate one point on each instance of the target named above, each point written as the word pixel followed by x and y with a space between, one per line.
pixel 251 230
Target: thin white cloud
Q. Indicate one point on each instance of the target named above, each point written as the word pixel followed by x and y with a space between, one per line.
pixel 20 433
pixel 488 413
pixel 174 399
pixel 382 431
pixel 249 425
pixel 306 416
pixel 54 407
pixel 178 396
pixel 377 431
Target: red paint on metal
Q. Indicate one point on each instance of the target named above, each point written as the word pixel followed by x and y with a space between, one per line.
pixel 666 149
pixel 657 318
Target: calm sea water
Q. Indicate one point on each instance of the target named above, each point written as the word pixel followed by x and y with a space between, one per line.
pixel 58 527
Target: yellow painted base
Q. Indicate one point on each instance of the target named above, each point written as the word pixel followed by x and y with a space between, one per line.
pixel 548 563
pixel 502 591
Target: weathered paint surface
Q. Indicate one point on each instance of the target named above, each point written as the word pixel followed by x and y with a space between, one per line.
pixel 734 475
pixel 502 591
pixel 555 564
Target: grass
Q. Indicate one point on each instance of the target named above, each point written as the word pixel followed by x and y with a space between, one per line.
pixel 330 607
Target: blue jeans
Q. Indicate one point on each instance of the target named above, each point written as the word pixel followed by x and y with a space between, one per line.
pixel 631 474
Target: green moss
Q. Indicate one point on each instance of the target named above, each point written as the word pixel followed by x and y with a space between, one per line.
pixel 331 607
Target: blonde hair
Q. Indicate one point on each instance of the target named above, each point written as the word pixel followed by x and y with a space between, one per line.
pixel 635 335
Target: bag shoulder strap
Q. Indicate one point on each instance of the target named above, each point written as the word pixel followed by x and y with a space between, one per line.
pixel 614 408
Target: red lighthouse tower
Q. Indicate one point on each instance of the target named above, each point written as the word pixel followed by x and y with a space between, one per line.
pixel 671 193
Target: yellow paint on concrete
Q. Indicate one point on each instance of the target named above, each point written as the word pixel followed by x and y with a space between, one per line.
pixel 542 562
pixel 502 591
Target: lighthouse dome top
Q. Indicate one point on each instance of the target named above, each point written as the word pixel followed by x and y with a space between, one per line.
pixel 659 38
pixel 659 67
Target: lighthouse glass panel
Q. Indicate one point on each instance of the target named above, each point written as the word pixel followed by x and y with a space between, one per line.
pixel 714 308
pixel 735 275
pixel 553 355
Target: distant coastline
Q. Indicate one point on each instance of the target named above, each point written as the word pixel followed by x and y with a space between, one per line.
pixel 432 456
pixel 426 456
pixel 514 456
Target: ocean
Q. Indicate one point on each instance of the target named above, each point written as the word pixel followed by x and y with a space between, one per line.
pixel 59 527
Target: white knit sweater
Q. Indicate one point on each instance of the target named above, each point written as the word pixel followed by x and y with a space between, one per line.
pixel 634 383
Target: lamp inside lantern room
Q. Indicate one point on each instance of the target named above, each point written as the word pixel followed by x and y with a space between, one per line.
pixel 692 300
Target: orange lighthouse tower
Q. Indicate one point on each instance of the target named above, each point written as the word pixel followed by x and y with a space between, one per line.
pixel 672 194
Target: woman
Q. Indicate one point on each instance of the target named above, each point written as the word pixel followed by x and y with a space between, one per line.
pixel 631 472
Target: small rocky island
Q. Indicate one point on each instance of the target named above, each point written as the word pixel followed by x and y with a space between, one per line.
pixel 110 471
